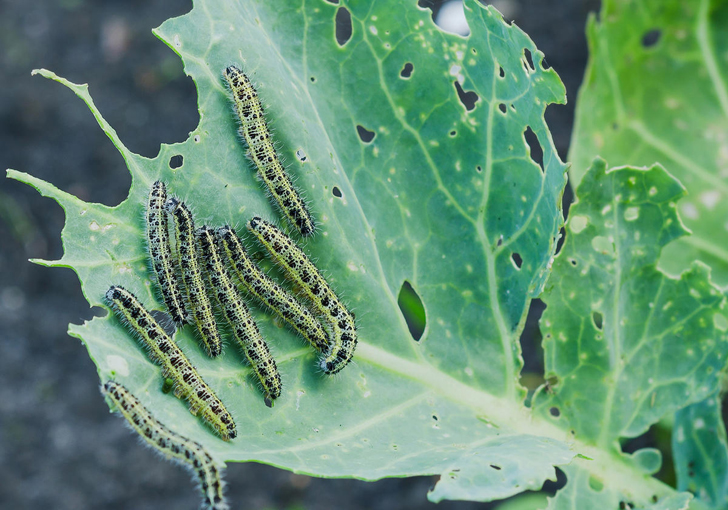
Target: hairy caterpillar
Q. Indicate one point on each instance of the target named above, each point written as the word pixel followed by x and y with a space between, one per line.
pixel 236 311
pixel 302 271
pixel 263 153
pixel 269 292
pixel 170 444
pixel 164 352
pixel 197 299
pixel 158 245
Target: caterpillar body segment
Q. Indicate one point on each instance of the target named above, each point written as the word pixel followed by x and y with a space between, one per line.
pixel 236 312
pixel 158 245
pixel 299 268
pixel 261 150
pixel 197 298
pixel 270 293
pixel 175 365
pixel 170 444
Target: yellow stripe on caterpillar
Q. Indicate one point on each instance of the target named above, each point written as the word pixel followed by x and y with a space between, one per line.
pixel 166 353
pixel 297 266
pixel 237 314
pixel 170 444
pixel 197 299
pixel 160 253
pixel 269 292
pixel 262 152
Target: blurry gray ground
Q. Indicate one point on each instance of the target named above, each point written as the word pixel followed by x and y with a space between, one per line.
pixel 69 452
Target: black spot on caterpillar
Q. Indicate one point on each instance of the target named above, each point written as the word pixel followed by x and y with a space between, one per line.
pixel 263 153
pixel 197 299
pixel 170 444
pixel 165 267
pixel 299 268
pixel 236 312
pixel 164 352
pixel 269 292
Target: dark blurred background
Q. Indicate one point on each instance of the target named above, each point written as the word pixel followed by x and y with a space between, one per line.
pixel 66 451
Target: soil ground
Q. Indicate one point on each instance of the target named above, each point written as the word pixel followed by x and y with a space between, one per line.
pixel 63 450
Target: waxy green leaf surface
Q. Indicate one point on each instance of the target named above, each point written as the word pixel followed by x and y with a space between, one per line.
pixel 656 91
pixel 441 197
pixel 410 180
pixel 624 343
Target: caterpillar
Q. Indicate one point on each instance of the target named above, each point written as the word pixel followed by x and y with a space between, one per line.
pixel 269 292
pixel 158 245
pixel 164 352
pixel 303 272
pixel 262 152
pixel 170 444
pixel 199 302
pixel 236 311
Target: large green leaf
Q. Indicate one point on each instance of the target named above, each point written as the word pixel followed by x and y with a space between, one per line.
pixel 656 90
pixel 624 343
pixel 441 197
pixel 700 452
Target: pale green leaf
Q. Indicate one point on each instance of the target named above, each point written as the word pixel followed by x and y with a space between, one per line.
pixel 656 90
pixel 700 452
pixel 625 344
pixel 587 491
pixel 441 197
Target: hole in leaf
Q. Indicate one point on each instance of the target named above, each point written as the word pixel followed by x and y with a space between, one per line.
pixel 567 199
pixel 598 320
pixel 502 107
pixel 406 71
pixel 517 260
pixel 479 168
pixel 467 97
pixel 344 28
pixel 335 2
pixel 560 241
pixel 528 60
pixel 365 135
pixel 573 262
pixel 531 341
pixel 501 72
pixel 554 411
pixel 427 4
pixel 412 309
pixel 176 161
pixel 313 79
pixel 301 155
pixel 550 487
pixel 453 133
pixel 497 468
pixel 336 192
pixel 651 37
pixel 533 143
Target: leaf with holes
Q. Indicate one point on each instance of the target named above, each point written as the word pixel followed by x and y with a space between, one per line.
pixel 624 343
pixel 700 452
pixel 656 91
pixel 414 150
